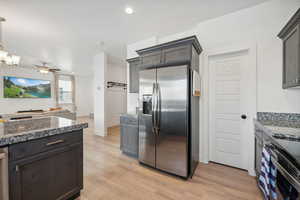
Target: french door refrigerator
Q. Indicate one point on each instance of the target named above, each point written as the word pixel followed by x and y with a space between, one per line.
pixel 164 118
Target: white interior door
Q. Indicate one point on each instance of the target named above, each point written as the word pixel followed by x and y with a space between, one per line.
pixel 230 93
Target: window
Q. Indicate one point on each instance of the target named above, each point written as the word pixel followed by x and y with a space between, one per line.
pixel 65 89
pixel 65 92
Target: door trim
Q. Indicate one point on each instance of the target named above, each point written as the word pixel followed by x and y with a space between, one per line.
pixel 251 48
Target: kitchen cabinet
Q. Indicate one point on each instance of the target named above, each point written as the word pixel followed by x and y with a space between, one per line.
pixel 176 54
pixel 49 168
pixel 151 59
pixel 134 64
pixel 171 53
pixel 181 51
pixel 129 135
pixel 290 36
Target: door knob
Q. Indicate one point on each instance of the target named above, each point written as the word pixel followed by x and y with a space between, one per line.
pixel 244 116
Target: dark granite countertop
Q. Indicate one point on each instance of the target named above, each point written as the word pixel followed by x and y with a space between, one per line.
pixel 292 127
pixel 13 132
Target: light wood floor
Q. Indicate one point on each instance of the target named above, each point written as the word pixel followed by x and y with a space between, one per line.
pixel 110 175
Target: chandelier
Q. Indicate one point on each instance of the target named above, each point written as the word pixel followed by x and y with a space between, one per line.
pixel 6 57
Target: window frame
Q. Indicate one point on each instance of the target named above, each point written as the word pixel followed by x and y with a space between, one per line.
pixel 58 76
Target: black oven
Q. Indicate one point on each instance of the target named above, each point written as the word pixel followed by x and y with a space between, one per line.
pixel 288 175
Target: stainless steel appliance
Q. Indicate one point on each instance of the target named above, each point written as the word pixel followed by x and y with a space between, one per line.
pixel 3 174
pixel 288 174
pixel 165 119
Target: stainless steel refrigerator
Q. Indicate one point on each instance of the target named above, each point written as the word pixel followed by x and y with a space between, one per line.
pixel 165 119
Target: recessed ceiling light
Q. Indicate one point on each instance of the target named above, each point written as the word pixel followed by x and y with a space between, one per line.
pixel 129 10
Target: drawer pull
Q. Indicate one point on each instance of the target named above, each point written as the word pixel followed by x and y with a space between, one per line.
pixel 55 142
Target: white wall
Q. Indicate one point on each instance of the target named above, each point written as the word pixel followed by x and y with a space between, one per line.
pixel 84 95
pixel 260 25
pixel 117 72
pixel 100 69
pixel 0 30
pixel 8 106
pixel 115 97
pixel 109 104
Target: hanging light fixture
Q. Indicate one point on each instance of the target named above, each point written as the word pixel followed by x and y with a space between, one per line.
pixel 5 57
pixel 12 60
pixel 3 54
pixel 46 68
pixel 44 71
pixel 9 59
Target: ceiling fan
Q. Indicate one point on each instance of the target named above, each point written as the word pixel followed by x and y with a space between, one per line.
pixel 46 68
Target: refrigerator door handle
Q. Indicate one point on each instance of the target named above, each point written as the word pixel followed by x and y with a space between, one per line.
pixel 154 108
pixel 158 108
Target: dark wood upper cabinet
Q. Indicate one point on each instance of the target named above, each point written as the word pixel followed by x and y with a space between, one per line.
pixel 170 53
pixel 134 64
pixel 176 54
pixel 183 51
pixel 290 36
pixel 151 59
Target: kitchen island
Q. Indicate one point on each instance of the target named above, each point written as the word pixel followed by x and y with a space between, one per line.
pixel 44 158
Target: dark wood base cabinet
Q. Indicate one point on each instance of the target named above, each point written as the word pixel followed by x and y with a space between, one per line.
pixel 55 172
pixel 129 140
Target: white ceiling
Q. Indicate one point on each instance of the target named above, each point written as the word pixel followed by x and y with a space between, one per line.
pixel 69 32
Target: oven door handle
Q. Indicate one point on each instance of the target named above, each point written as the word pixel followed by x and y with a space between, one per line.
pixel 294 182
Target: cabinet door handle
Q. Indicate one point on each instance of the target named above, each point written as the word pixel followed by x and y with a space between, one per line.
pixel 17 168
pixel 55 142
